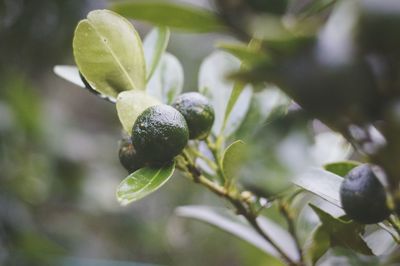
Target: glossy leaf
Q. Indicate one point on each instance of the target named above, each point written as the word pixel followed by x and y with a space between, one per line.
pixel 316 7
pixel 381 241
pixel 266 106
pixel 69 73
pixel 177 16
pixel 214 85
pixel 341 168
pixel 109 54
pixel 348 257
pixel 236 226
pixel 167 81
pixel 154 46
pixel 232 159
pixel 330 147
pixel 321 183
pixel 247 55
pixel 130 104
pixel 238 86
pixel 317 245
pixel 342 233
pixel 143 182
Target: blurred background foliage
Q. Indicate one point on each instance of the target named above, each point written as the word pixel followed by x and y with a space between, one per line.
pixel 59 167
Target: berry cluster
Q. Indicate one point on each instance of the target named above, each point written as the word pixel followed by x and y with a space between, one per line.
pixel 161 132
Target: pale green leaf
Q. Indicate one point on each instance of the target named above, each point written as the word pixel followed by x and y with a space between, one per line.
pixel 238 86
pixel 143 182
pixel 342 233
pixel 154 46
pixel 167 81
pixel 130 104
pixel 321 183
pixel 330 147
pixel 266 105
pixel 71 74
pixel 316 7
pixel 238 227
pixel 380 241
pixel 109 54
pixel 232 159
pixel 317 245
pixel 341 168
pixel 246 54
pixel 177 16
pixel 339 256
pixel 213 84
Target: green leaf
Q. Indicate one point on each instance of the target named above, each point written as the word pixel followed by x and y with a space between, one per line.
pixel 238 87
pixel 341 168
pixel 237 226
pixel 180 17
pixel 143 182
pixel 69 73
pixel 109 54
pixel 154 46
pixel 167 81
pixel 343 233
pixel 130 104
pixel 317 245
pixel 321 183
pixel 266 106
pixel 380 241
pixel 214 85
pixel 316 7
pixel 349 257
pixel 246 54
pixel 232 159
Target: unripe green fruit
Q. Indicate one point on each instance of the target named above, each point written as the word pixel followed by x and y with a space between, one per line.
pixel 160 133
pixel 198 113
pixel 129 157
pixel 363 197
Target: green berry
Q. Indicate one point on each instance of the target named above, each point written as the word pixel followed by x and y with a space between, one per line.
pixel 160 133
pixel 129 157
pixel 198 113
pixel 363 197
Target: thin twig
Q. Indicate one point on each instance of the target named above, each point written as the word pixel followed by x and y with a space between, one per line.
pixel 292 228
pixel 396 227
pixel 213 148
pixel 240 206
pixel 209 162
